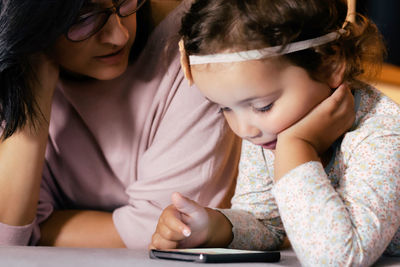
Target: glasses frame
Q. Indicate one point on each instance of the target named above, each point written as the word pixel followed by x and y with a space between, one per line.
pixel 108 11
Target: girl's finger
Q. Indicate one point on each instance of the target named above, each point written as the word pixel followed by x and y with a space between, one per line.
pixel 192 213
pixel 158 242
pixel 172 234
pixel 184 204
pixel 172 218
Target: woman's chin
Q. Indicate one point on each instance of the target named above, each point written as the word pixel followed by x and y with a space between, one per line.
pixel 103 74
pixel 109 72
pixel 108 75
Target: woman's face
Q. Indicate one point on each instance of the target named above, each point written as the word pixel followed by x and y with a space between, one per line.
pixel 104 56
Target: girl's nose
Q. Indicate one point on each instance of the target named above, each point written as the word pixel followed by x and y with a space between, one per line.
pixel 114 32
pixel 248 131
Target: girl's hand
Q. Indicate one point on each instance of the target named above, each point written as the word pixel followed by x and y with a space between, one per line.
pixel 309 138
pixel 183 224
pixel 325 123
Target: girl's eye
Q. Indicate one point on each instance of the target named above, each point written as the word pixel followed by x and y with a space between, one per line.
pixel 222 110
pixel 264 109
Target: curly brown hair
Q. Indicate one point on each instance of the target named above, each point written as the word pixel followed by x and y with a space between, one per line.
pixel 212 26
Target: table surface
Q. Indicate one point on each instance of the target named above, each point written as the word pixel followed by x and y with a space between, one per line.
pixel 75 257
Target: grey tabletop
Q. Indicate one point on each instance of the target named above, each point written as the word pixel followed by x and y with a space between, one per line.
pixel 76 257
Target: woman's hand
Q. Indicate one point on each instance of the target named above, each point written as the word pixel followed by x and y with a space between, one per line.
pixel 310 137
pixel 186 224
pixel 46 75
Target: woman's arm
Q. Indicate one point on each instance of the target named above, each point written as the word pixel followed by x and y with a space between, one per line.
pixel 22 154
pixel 21 161
pixel 75 228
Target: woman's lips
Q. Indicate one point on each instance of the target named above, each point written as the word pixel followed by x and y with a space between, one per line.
pixel 113 58
pixel 270 145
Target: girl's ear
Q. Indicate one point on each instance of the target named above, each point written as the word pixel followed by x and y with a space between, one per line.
pixel 185 63
pixel 336 79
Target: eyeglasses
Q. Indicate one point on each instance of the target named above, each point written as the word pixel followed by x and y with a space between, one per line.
pixel 92 20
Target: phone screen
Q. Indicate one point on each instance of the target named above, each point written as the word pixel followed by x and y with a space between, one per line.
pixel 215 255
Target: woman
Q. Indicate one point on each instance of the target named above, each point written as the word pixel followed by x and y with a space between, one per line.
pixel 94 143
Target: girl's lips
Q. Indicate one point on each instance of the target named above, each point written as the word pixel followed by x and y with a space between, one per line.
pixel 270 145
pixel 112 58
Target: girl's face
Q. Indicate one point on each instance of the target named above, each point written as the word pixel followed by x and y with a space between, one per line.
pixel 103 56
pixel 260 99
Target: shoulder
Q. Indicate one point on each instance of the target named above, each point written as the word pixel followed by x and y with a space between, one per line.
pixel 370 102
pixel 163 41
pixel 377 120
pixel 171 22
pixel 160 54
pixel 375 111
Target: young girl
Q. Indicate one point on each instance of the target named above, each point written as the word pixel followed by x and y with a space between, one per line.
pixel 277 69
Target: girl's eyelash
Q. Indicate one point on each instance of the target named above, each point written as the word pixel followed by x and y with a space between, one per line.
pixel 264 109
pixel 222 110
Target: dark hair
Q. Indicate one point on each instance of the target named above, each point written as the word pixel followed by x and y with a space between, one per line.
pixel 27 27
pixel 143 29
pixel 212 26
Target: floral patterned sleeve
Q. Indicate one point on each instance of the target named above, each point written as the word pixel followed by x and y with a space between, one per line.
pixel 351 222
pixel 254 214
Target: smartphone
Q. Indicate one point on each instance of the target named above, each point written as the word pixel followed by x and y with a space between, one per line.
pixel 215 255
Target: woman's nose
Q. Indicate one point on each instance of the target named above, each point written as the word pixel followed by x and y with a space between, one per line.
pixel 114 32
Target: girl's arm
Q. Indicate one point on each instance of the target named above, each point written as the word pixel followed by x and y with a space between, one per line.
pixel 254 213
pixel 252 223
pixel 350 225
pixel 186 224
pixel 352 220
pixel 189 225
pixel 22 154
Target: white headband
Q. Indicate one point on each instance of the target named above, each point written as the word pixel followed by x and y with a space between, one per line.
pixel 266 52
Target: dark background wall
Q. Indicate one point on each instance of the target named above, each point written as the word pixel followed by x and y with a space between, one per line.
pixel 386 15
